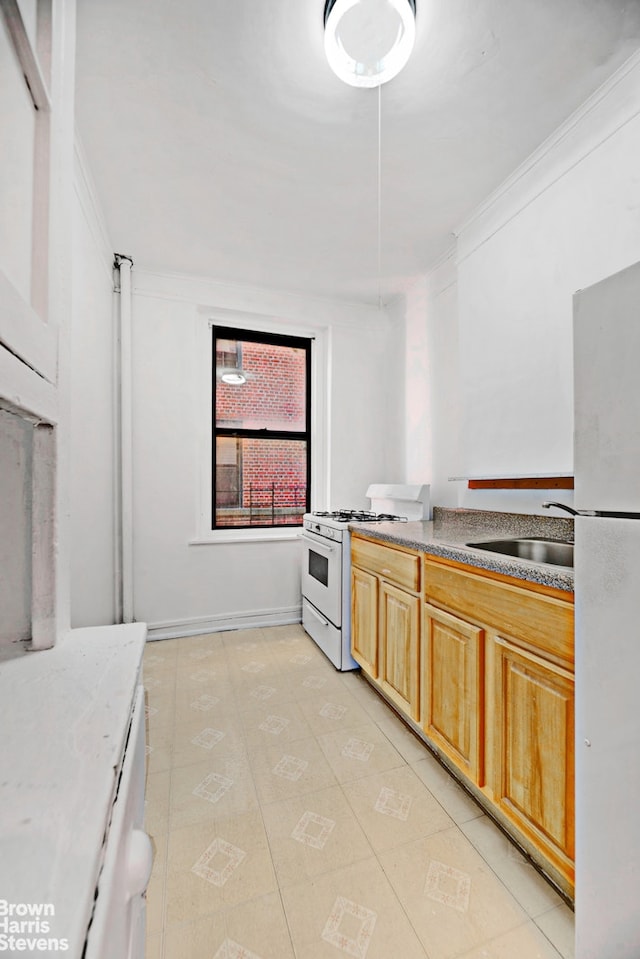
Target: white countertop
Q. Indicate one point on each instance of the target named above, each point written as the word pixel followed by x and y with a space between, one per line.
pixel 65 717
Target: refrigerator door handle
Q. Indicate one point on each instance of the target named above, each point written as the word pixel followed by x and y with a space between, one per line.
pixel 605 513
pixel 608 514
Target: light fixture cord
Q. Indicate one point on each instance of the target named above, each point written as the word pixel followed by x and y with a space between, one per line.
pixel 380 196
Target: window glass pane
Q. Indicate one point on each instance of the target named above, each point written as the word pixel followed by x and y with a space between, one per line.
pixel 268 479
pixel 228 472
pixel 227 356
pixel 266 386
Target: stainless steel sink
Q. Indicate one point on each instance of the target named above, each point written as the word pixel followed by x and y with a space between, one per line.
pixel 536 549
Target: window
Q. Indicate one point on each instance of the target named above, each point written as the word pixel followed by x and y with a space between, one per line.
pixel 261 429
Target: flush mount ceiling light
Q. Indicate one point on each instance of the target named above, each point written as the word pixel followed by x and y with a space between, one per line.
pixel 368 42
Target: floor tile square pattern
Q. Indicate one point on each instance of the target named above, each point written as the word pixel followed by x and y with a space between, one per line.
pixel 294 817
pixel 448 885
pixel 392 803
pixel 225 855
pixel 350 927
pixel 313 830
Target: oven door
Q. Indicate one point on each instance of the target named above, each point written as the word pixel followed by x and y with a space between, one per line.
pixel 322 575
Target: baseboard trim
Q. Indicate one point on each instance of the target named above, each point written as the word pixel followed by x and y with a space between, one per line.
pixel 218 624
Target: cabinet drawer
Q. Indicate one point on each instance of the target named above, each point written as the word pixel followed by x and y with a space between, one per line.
pixel 539 620
pixel 395 565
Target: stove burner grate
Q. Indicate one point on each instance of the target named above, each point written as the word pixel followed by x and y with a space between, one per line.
pixel 359 516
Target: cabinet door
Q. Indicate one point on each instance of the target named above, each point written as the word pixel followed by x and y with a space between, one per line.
pixel 534 749
pixel 364 620
pixel 399 647
pixel 452 678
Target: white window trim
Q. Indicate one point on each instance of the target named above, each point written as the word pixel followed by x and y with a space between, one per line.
pixel 26 327
pixel 204 535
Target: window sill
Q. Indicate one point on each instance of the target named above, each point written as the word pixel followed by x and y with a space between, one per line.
pixel 218 537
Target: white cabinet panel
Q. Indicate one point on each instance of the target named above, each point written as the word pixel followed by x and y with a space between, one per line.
pixel 118 927
pixel 18 123
pixel 607 738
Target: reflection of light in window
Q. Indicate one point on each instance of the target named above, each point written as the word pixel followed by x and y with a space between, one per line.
pixel 233 377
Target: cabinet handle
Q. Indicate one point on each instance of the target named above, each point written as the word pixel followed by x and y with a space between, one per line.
pixel 386 571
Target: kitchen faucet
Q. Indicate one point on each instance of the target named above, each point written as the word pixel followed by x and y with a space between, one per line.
pixel 569 509
pixel 581 512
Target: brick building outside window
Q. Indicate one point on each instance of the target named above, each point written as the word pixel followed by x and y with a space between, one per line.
pixel 261 429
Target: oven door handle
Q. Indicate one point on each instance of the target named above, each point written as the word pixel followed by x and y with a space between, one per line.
pixel 317 541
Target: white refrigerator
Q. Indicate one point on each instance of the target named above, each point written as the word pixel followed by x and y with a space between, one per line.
pixel 607 594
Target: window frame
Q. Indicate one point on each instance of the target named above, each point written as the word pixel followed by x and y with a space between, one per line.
pixel 293 341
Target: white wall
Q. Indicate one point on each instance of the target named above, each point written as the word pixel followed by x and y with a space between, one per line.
pixel 365 434
pixel 432 384
pixel 181 586
pixel 569 217
pixel 92 448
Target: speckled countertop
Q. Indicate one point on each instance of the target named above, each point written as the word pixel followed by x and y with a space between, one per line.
pixel 450 530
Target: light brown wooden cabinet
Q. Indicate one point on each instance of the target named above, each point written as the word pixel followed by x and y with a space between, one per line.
pixel 364 620
pixel 498 700
pixel 452 689
pixel 385 619
pixel 481 665
pixel 398 641
pixel 533 746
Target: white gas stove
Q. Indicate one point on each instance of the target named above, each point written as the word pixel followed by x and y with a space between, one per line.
pixel 326 564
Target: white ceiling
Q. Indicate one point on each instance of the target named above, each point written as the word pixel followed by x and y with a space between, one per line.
pixel 222 145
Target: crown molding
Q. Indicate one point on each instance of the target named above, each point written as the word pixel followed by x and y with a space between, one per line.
pixel 214 295
pixel 87 194
pixel 611 107
pixel 444 272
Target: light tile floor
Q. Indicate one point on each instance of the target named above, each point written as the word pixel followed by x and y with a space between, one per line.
pixel 295 817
